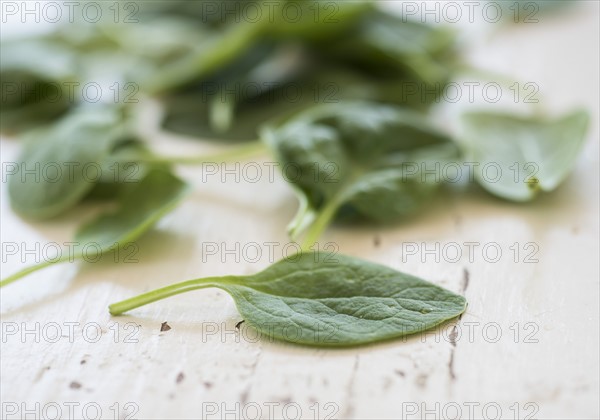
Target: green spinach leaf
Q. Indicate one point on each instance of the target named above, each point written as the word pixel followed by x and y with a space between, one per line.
pixel 331 301
pixel 61 164
pixel 518 157
pixel 387 45
pixel 35 78
pixel 218 50
pixel 127 164
pixel 360 159
pixel 244 94
pixel 141 205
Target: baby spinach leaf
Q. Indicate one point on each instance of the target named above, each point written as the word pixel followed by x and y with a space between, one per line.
pixel 330 301
pixel 219 49
pixel 192 115
pixel 212 52
pixel 60 165
pixel 398 62
pixel 363 159
pixel 35 76
pixel 243 95
pixel 517 156
pixel 141 205
pixel 391 47
pixel 125 165
pixel 53 62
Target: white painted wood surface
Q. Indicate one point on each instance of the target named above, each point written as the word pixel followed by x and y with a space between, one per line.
pixel 203 367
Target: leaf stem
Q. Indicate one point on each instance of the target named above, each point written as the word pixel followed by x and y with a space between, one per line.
pixel 205 61
pixel 237 153
pixel 323 219
pixel 168 291
pixel 32 269
pixel 303 218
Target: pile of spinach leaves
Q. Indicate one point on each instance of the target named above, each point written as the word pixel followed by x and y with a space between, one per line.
pixel 223 78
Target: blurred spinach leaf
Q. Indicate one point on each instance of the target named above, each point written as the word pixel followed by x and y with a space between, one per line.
pixel 125 165
pixel 385 45
pixel 517 156
pixel 140 206
pixel 380 58
pixel 258 86
pixel 35 78
pixel 217 50
pixel 362 159
pixel 59 165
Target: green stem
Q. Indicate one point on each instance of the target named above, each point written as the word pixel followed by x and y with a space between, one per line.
pixel 323 219
pixel 303 218
pixel 28 270
pixel 205 61
pixel 168 291
pixel 239 153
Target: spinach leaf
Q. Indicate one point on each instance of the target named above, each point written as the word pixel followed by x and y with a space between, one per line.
pixel 211 53
pixel 211 118
pixel 126 164
pixel 244 94
pixel 361 159
pixel 34 76
pixel 320 300
pixel 141 205
pixel 518 157
pixel 397 62
pixel 61 164
pixel 239 116
pixel 220 48
pixel 385 45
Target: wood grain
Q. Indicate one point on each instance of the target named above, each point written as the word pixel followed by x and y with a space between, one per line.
pixel 207 366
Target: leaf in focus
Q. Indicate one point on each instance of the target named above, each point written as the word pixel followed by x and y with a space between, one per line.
pixel 319 299
pixel 325 300
pixel 517 156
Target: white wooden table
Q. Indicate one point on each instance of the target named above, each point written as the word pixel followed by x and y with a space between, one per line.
pixel 528 344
